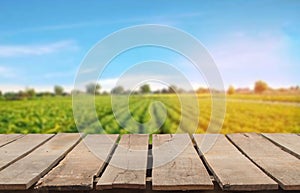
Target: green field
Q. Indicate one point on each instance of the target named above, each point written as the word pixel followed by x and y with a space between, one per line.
pixel 54 114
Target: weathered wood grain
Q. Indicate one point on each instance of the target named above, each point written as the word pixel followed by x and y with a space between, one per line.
pixel 280 165
pixel 28 170
pixel 8 138
pixel 77 170
pixel 287 141
pixel 20 148
pixel 231 169
pixel 176 164
pixel 127 168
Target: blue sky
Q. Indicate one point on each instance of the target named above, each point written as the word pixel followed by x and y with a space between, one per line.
pixel 42 43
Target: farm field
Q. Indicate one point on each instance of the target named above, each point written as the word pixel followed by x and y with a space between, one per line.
pixel 278 97
pixel 54 114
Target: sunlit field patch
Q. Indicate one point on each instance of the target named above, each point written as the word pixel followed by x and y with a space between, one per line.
pixel 54 114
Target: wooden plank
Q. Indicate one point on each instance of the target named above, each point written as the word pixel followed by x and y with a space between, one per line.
pixel 8 138
pixel 176 164
pixel 287 141
pixel 127 168
pixel 280 165
pixel 20 148
pixel 231 169
pixel 27 171
pixel 81 165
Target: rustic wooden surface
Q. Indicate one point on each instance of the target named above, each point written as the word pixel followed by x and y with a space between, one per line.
pixel 81 165
pixel 232 170
pixel 27 171
pixel 127 168
pixel 8 138
pixel 176 170
pixel 238 162
pixel 280 165
pixel 20 148
pixel 288 142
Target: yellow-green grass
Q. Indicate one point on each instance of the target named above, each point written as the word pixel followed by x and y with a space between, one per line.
pixel 278 97
pixel 54 114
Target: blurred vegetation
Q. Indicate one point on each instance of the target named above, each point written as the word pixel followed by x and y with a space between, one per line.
pixel 54 114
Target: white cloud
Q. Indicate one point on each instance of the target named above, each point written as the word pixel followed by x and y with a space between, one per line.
pixel 108 84
pixel 241 50
pixel 159 19
pixel 3 69
pixel 42 49
pixel 243 58
pixel 6 72
pixel 70 73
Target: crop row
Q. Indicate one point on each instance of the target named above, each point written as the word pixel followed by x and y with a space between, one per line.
pixel 144 114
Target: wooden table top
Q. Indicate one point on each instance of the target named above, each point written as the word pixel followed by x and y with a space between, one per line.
pixel 149 163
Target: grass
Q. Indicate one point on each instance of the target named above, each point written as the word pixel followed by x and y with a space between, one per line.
pixel 54 114
pixel 278 97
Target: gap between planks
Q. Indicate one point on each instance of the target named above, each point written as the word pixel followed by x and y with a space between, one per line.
pixel 96 150
pixel 96 179
pixel 21 147
pixel 289 142
pixel 280 165
pixel 231 169
pixel 28 170
pixel 184 171
pixel 127 168
pixel 9 138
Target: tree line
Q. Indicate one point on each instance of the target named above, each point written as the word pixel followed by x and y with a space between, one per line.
pixel 95 89
pixel 259 88
pixel 91 88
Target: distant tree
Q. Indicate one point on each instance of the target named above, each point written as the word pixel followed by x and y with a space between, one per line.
pixel 145 89
pixel 58 90
pixel 172 89
pixel 156 92
pixel 29 93
pixel 294 88
pixel 282 89
pixel 128 92
pixel 44 94
pixel 118 90
pixel 164 91
pixel 21 95
pixel 75 92
pixel 93 88
pixel 105 93
pixel 180 90
pixel 10 96
pixel 97 89
pixel 202 90
pixel 260 86
pixel 231 90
